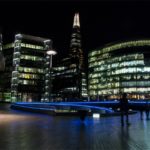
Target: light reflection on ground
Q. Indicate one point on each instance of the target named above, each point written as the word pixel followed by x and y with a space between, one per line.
pixel 28 131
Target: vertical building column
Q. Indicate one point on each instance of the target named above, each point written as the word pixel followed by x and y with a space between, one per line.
pixel 79 81
pixel 46 71
pixel 2 60
pixel 15 72
pixel 0 42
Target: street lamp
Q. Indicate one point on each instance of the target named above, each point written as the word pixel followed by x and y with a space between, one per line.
pixel 50 52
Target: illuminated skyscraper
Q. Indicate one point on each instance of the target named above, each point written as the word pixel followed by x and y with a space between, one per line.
pixel 75 45
pixel 69 74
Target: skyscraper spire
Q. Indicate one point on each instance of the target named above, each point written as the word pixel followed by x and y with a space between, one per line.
pixel 72 78
pixel 76 54
pixel 76 21
pixel 75 45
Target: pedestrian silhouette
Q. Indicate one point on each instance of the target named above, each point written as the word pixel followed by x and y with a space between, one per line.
pixel 82 114
pixel 142 109
pixel 124 108
pixel 145 108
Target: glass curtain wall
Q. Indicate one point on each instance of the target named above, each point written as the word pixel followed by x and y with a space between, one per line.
pixel 118 68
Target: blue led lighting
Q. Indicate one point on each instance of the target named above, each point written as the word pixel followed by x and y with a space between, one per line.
pixel 39 108
pixel 23 104
pixel 139 102
pixel 75 105
pixel 84 106
pixel 113 102
pixel 30 103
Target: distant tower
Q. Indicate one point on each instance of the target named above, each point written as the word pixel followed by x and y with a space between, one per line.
pixel 70 79
pixel 75 45
pixel 76 54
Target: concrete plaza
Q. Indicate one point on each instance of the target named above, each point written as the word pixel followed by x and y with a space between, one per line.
pixel 29 131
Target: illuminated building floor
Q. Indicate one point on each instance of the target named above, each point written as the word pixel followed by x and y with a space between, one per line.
pixel 28 131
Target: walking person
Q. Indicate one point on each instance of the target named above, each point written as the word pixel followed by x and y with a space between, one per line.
pixel 141 112
pixel 147 109
pixel 124 108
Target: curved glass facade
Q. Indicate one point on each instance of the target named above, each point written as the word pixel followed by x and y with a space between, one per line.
pixel 120 67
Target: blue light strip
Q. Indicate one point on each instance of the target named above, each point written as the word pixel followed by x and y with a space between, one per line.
pixel 83 106
pixel 68 103
pixel 37 103
pixel 139 102
pixel 33 107
pixel 29 103
pixel 62 104
pixel 77 105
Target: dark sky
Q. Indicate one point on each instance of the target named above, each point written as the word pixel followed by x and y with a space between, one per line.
pixel 102 22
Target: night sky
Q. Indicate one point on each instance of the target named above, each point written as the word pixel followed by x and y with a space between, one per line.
pixel 102 22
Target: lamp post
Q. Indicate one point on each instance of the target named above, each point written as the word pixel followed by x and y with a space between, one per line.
pixel 50 52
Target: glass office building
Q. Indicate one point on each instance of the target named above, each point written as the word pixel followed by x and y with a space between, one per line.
pixel 27 73
pixel 26 65
pixel 120 67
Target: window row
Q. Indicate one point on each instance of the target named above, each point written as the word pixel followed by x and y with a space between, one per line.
pixel 140 90
pixel 31 70
pixel 99 60
pixel 120 46
pixel 117 65
pixel 120 84
pixel 29 76
pixel 28 82
pixel 33 58
pixel 26 45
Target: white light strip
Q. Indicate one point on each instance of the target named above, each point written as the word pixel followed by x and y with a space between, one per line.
pixel 76 21
pixel 96 115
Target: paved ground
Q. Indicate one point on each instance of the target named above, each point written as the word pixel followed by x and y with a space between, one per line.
pixel 28 131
